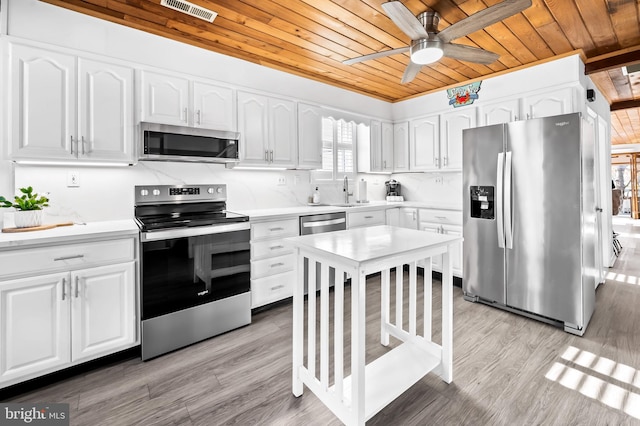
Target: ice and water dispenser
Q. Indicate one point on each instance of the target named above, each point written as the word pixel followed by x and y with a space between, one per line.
pixel 482 202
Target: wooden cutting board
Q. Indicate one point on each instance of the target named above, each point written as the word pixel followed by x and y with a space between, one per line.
pixel 37 228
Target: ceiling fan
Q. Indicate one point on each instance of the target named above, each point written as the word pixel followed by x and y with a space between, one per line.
pixel 428 45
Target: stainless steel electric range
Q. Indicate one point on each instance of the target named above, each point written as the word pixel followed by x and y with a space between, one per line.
pixel 195 268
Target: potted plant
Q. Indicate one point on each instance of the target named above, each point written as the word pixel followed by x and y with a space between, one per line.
pixel 28 207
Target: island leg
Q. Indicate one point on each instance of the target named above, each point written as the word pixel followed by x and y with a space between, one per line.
pixel 358 315
pixel 298 323
pixel 384 307
pixel 446 372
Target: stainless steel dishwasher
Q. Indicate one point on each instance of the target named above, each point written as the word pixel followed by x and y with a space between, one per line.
pixel 316 224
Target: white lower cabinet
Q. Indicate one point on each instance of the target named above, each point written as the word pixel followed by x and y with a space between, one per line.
pixel 66 311
pixel 272 262
pixel 448 223
pixel 366 218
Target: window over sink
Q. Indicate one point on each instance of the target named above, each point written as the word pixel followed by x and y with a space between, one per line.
pixel 338 150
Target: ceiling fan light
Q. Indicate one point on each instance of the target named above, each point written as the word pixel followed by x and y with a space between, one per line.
pixel 426 51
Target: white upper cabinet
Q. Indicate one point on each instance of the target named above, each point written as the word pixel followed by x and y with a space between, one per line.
pixel 453 123
pixel 387 147
pixel 106 111
pixel 547 104
pixel 69 108
pixel 268 130
pixel 213 107
pixel 43 108
pixel 500 112
pixel 309 136
pixel 401 147
pixel 424 143
pixel 171 99
pixel 165 99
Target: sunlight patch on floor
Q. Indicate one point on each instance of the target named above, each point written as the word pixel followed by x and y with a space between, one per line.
pixel 594 387
pixel 622 278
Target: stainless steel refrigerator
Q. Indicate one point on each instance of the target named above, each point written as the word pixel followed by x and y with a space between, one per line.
pixel 530 219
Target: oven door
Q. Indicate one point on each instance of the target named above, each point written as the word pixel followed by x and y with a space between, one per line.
pixel 189 267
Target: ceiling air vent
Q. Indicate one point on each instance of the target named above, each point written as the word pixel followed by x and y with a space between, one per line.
pixel 190 9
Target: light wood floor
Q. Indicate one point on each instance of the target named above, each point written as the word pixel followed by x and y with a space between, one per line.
pixel 508 370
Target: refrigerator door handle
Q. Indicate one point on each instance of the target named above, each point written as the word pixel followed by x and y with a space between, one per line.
pixel 499 218
pixel 508 230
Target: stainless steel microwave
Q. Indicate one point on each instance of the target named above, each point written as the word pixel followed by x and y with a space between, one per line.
pixel 163 142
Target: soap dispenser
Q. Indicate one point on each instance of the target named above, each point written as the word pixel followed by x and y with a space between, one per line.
pixel 316 196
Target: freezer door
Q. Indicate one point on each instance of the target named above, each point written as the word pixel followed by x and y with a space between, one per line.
pixel 544 264
pixel 482 253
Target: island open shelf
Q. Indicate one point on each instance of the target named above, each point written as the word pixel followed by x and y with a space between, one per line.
pixel 329 258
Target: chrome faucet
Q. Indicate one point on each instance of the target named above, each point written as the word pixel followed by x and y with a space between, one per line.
pixel 345 189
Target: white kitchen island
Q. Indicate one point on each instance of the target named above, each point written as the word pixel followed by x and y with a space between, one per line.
pixel 357 253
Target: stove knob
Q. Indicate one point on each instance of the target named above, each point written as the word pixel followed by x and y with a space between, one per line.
pixel 156 192
pixel 219 190
pixel 144 192
pixel 210 190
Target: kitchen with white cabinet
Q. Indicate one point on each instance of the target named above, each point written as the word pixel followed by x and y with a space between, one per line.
pixel 77 288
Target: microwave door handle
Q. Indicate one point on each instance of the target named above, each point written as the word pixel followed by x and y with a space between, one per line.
pixel 499 190
pixel 508 229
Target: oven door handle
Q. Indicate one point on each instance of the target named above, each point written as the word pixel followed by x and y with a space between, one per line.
pixel 192 232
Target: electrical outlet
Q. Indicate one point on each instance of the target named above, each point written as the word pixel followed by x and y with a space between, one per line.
pixel 439 179
pixel 73 178
pixel 282 180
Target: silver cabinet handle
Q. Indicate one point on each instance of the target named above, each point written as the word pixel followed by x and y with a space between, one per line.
pixel 75 256
pixel 445 161
pixel 77 279
pixel 276 247
pixel 441 217
pixel 64 285
pixel 271 157
pixel 71 137
pixel 368 217
pixel 277 287
pixel 275 265
pixel 414 216
pixel 266 155
pixel 437 161
pixel 278 228
pixel 198 116
pixel 82 145
pixel 184 115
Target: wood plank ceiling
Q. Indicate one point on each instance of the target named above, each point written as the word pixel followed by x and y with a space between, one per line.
pixel 311 38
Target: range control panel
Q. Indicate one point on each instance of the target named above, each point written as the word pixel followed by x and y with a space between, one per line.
pixel 154 194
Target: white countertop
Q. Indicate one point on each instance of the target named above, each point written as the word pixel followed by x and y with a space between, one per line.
pixel 273 213
pixel 371 243
pixel 66 234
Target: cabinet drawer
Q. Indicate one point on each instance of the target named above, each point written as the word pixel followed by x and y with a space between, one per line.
pixel 274 229
pixel 269 248
pixel 446 217
pixel 66 256
pixel 272 265
pixel 271 289
pixel 369 218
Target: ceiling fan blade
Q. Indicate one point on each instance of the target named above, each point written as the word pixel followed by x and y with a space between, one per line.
pixel 405 20
pixel 483 19
pixel 375 55
pixel 469 54
pixel 410 72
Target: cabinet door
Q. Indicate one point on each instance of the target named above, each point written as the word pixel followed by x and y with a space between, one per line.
pixel 253 128
pixel 105 111
pixel 504 111
pixel 309 136
pixel 369 150
pixel 34 321
pixel 283 141
pixel 549 104
pixel 43 104
pixel 453 123
pixel 456 253
pixel 387 147
pixel 213 107
pixel 401 147
pixel 409 218
pixel 103 315
pixel 165 99
pixel 425 144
